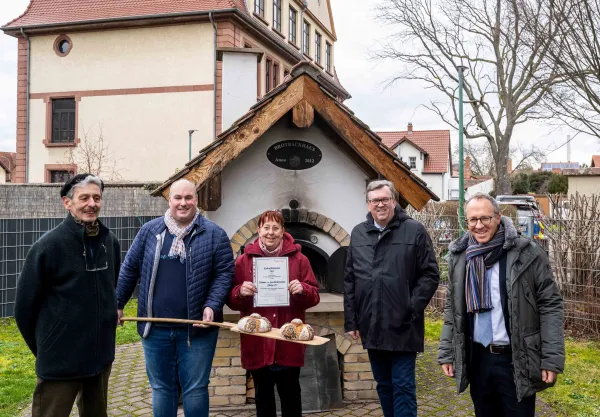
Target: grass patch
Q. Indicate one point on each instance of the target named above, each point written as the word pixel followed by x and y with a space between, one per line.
pixel 128 332
pixel 433 328
pixel 17 370
pixel 577 392
pixel 17 364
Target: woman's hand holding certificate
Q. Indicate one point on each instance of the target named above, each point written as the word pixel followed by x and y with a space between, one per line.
pixel 247 289
pixel 295 287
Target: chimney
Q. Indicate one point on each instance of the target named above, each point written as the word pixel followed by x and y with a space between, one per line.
pixel 509 166
pixel 409 128
pixel 468 168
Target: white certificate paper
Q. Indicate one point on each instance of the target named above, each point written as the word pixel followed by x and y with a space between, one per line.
pixel 271 278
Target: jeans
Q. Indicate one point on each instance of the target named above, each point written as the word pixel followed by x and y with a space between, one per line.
pixel 493 389
pixel 169 358
pixel 396 385
pixel 55 398
pixel 288 387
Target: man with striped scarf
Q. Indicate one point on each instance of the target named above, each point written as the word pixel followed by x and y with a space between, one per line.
pixel 503 319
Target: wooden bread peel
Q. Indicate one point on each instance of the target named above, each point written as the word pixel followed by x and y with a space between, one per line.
pixel 272 334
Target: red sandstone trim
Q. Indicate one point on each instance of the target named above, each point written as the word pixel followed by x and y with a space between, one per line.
pixel 58 167
pixel 124 91
pixel 19 171
pixel 60 38
pixel 48 129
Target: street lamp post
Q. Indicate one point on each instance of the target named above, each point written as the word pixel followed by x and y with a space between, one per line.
pixel 461 157
pixel 191 131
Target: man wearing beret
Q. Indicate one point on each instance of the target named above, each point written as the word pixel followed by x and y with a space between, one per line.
pixel 66 305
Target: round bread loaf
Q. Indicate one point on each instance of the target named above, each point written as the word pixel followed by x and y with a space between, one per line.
pixel 254 323
pixel 296 330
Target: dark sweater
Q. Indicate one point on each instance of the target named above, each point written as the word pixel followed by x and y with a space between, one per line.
pixel 170 290
pixel 66 306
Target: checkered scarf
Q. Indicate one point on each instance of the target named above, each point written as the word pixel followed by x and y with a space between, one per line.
pixel 479 258
pixel 178 246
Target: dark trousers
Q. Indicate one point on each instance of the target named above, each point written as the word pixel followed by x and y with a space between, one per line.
pixel 288 387
pixel 493 387
pixel 56 398
pixel 396 386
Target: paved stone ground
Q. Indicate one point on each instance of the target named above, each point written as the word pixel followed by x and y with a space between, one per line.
pixel 130 394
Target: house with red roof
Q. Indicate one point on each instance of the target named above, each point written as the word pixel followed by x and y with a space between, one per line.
pixel 427 153
pixel 8 162
pixel 139 86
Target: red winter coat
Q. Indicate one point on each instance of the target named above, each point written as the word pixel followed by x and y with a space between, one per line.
pixel 258 352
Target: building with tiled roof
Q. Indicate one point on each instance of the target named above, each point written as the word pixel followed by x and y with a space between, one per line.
pixel 426 152
pixel 9 162
pixel 595 161
pixel 154 79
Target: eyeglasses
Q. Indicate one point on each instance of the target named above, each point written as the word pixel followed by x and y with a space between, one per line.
pixel 376 201
pixel 485 220
pixel 274 229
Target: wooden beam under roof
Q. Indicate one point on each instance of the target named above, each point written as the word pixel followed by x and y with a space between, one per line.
pixel 303 115
pixel 357 137
pixel 304 95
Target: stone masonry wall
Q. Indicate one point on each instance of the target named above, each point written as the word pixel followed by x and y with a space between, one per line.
pixel 227 378
pixel 230 386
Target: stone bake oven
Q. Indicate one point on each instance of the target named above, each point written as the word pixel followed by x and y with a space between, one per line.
pixel 303 152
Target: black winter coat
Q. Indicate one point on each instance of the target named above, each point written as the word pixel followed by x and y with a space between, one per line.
pixel 66 305
pixel 390 277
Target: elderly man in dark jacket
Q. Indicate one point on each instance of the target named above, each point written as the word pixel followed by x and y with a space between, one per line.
pixel 503 321
pixel 391 274
pixel 65 305
pixel 184 264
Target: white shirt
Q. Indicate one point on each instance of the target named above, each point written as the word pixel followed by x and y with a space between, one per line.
pixel 499 337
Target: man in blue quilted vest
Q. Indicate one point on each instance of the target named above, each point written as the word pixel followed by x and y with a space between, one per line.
pixel 184 265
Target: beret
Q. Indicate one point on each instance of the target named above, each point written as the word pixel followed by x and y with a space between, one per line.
pixel 74 181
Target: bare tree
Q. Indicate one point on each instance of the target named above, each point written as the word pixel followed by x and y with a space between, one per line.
pixel 483 163
pixel 577 55
pixel 508 71
pixel 93 155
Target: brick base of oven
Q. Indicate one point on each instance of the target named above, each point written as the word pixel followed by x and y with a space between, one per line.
pixel 230 385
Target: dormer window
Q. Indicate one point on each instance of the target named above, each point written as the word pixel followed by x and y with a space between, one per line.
pixel 412 162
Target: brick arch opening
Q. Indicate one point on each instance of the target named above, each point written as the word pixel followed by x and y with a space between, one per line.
pixel 302 216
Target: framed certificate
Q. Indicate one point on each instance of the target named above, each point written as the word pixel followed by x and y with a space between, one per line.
pixel 271 277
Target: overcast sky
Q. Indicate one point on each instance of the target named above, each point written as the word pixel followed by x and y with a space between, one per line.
pixel 381 108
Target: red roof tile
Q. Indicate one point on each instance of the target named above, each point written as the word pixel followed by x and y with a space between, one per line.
pixel 45 12
pixel 435 142
pixel 595 161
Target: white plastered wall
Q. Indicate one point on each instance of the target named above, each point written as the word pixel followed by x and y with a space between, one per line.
pixel 251 184
pixel 127 58
pixel 435 182
pixel 239 85
pixel 585 185
pixel 146 135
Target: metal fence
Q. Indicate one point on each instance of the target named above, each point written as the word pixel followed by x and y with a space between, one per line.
pixel 18 235
pixel 573 248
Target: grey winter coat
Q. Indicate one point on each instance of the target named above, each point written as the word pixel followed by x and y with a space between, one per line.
pixel 535 310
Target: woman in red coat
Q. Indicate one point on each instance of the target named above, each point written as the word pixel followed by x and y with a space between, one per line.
pixel 272 362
